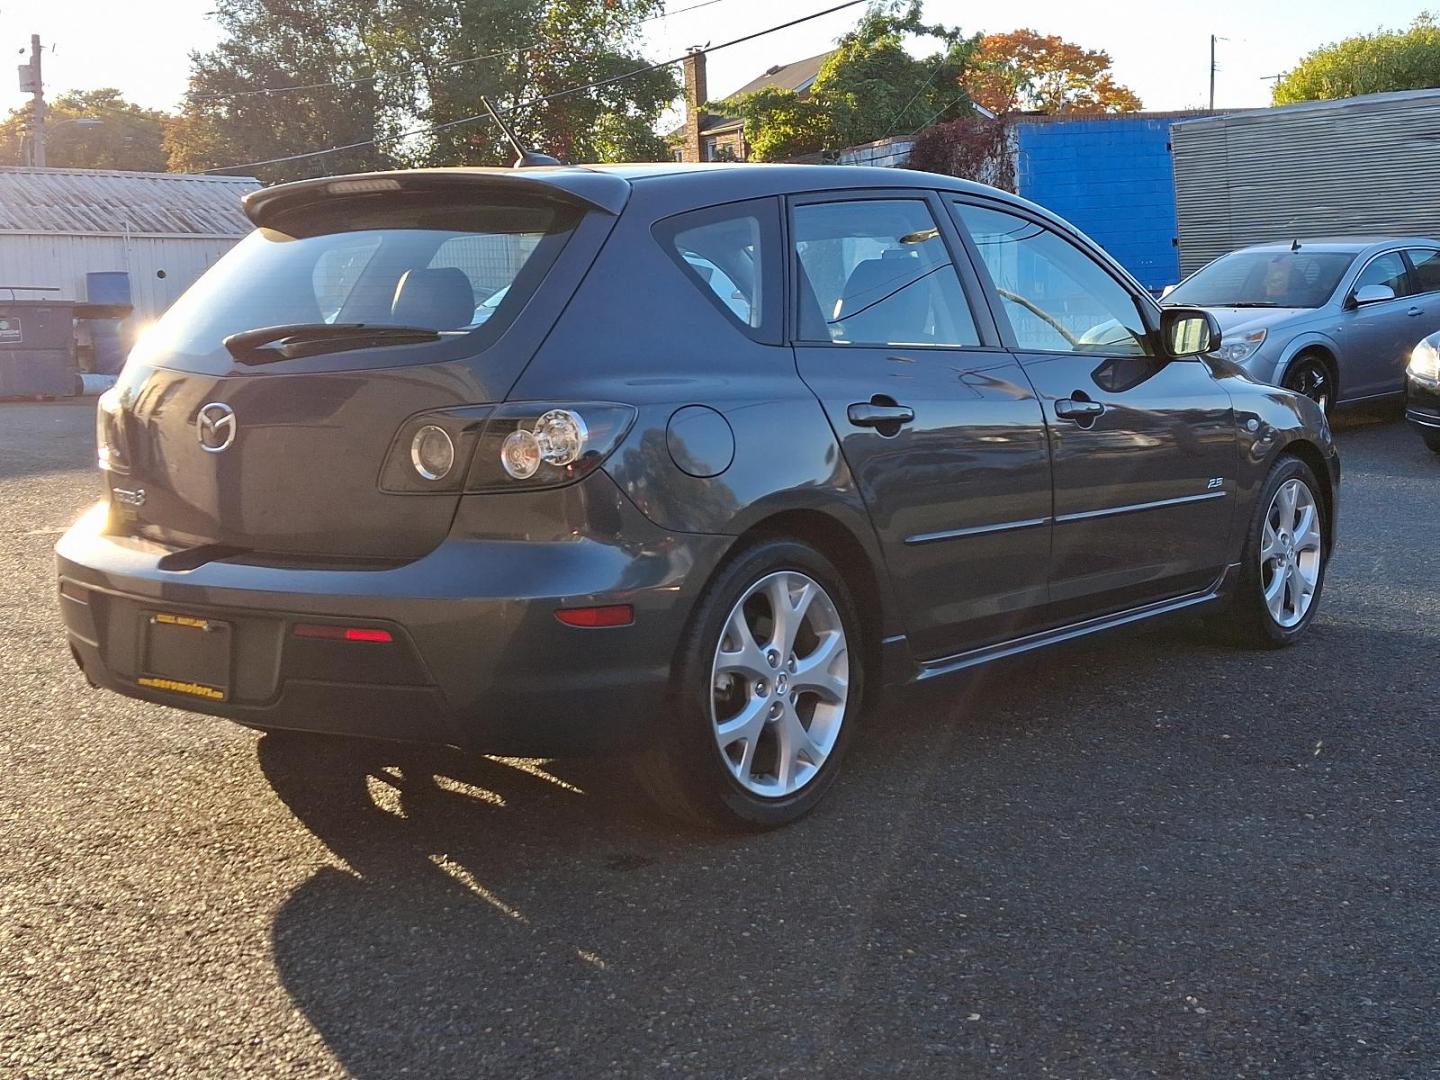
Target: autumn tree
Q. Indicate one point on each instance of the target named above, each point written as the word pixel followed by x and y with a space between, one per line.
pixel 870 87
pixel 374 74
pixel 89 129
pixel 1367 64
pixel 1044 73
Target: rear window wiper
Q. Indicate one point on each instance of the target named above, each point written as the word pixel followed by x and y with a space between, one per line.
pixel 267 344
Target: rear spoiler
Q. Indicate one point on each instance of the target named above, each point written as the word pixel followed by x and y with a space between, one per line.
pixel 566 184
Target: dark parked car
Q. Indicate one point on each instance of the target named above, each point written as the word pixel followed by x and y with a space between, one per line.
pixel 1422 390
pixel 737 448
pixel 1333 319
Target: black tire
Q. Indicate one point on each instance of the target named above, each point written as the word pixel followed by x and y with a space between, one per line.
pixel 1310 375
pixel 1432 439
pixel 682 770
pixel 1248 621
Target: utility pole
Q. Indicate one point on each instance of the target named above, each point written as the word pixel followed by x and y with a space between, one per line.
pixel 33 84
pixel 1212 72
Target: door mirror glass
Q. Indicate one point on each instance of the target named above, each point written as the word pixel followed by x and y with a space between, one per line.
pixel 1373 294
pixel 1188 332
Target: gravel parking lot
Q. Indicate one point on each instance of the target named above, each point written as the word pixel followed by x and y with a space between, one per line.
pixel 1141 856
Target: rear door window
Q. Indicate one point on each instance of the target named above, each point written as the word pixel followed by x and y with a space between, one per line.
pixel 878 272
pixel 1426 265
pixel 728 252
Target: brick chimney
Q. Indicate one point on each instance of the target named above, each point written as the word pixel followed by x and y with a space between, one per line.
pixel 696 95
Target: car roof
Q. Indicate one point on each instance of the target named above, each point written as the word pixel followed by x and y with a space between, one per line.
pixel 607 187
pixel 1351 244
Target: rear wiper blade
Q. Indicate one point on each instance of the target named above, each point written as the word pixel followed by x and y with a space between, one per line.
pixel 267 344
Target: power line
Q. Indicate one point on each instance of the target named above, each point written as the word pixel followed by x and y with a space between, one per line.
pixel 532 102
pixel 337 84
pixel 890 127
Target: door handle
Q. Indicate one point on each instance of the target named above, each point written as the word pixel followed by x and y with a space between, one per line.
pixel 1078 409
pixel 1415 311
pixel 874 414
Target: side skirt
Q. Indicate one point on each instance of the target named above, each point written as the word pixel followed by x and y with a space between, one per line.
pixel 930 669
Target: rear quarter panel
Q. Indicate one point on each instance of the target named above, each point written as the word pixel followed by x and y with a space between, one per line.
pixel 638 331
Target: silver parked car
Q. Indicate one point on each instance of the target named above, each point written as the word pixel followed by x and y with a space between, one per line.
pixel 1333 319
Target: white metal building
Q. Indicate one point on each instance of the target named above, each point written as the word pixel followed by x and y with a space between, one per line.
pixel 164 229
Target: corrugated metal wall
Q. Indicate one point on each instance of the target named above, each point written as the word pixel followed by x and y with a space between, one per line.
pixel 1109 176
pixel 62 261
pixel 1360 166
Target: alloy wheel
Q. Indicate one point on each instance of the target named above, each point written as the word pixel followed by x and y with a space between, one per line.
pixel 1290 553
pixel 779 684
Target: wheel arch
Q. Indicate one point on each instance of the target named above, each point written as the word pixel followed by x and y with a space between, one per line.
pixel 1318 347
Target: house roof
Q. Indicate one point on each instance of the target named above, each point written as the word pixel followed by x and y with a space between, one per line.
pixel 797 75
pixel 101 202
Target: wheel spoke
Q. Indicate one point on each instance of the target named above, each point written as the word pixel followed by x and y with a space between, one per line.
pixel 1269 542
pixel 1307 531
pixel 789 610
pixel 1287 505
pixel 743 656
pixel 813 673
pixel 1275 594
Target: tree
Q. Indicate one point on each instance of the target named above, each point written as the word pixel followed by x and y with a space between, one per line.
pixel 113 133
pixel 869 88
pixel 1367 64
pixel 414 65
pixel 1025 70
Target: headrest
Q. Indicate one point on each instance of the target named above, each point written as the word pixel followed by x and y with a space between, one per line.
pixel 440 298
pixel 877 307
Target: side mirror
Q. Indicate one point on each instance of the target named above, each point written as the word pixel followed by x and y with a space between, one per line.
pixel 1188 332
pixel 1372 294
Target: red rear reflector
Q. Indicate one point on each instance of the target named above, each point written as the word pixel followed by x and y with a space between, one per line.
pixel 344 633
pixel 591 617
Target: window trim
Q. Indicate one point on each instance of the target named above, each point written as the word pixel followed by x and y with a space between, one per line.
pixel 1145 304
pixel 766 211
pixel 970 286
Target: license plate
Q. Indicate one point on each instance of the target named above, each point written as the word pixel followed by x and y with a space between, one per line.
pixel 186 655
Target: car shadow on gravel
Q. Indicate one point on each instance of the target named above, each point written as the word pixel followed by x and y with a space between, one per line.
pixel 1137 828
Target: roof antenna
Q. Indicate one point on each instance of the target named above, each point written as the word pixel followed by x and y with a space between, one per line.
pixel 1295 244
pixel 524 158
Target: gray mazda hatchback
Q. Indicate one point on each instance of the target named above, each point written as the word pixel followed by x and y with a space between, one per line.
pixel 687 463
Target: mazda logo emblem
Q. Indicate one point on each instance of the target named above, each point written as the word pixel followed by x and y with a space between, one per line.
pixel 215 426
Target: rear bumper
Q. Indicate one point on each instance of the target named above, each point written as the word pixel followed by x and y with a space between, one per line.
pixel 477 658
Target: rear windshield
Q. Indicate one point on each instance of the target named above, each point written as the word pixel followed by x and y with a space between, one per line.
pixel 1288 279
pixel 460 270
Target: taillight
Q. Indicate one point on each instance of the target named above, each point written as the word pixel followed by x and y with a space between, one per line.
pixel 529 445
pixel 519 446
pixel 110 432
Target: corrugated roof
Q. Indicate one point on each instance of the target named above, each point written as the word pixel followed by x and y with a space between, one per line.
pixel 102 202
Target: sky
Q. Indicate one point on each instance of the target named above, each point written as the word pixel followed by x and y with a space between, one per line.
pixel 1160 50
